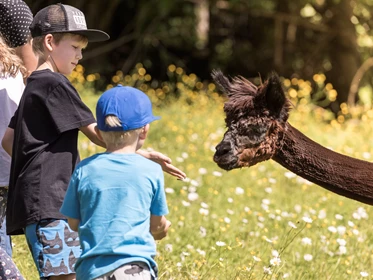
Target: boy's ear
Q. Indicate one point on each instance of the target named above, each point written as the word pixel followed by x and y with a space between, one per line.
pixel 48 39
pixel 144 131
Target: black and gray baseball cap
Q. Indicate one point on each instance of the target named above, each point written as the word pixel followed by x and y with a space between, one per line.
pixel 61 18
pixel 15 20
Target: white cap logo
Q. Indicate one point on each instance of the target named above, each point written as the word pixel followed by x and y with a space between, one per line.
pixel 79 19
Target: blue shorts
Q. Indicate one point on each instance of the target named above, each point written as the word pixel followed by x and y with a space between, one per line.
pixel 54 246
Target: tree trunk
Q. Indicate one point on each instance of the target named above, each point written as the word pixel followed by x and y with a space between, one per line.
pixel 343 52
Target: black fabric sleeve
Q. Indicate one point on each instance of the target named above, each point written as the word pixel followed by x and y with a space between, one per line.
pixel 12 122
pixel 66 108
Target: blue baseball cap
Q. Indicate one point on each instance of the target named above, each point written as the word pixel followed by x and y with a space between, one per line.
pixel 132 107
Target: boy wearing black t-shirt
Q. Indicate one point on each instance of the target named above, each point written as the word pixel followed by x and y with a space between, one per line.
pixel 44 150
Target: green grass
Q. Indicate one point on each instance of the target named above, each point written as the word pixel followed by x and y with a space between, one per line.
pixel 231 225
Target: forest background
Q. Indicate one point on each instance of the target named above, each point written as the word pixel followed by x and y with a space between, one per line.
pixel 250 38
pixel 262 222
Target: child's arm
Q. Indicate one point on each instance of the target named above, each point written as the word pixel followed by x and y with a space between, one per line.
pixel 7 141
pixel 73 223
pixel 164 162
pixel 159 226
pixel 91 133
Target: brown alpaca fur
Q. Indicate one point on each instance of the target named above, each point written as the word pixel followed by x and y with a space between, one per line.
pixel 257 130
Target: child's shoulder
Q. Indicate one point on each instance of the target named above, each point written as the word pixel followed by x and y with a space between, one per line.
pixel 46 76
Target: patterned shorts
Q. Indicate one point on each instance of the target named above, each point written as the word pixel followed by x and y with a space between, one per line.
pixel 129 271
pixel 54 246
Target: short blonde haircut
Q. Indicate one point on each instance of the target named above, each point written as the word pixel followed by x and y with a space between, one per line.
pixel 59 16
pixel 38 42
pixel 118 138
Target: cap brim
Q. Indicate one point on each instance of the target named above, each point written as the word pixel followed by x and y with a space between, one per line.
pixel 93 35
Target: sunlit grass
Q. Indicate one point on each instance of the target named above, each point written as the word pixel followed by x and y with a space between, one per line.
pixel 258 223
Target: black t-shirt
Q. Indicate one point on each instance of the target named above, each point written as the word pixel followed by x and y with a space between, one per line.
pixel 45 152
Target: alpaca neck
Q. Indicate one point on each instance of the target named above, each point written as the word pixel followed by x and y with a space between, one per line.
pixel 335 172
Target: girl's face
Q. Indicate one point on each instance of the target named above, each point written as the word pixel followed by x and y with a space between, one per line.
pixel 67 53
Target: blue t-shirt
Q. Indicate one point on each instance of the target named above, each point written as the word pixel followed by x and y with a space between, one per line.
pixel 113 196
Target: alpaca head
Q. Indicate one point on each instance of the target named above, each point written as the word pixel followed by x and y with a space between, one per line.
pixel 255 120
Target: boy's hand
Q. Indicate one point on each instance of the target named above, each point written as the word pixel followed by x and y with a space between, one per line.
pixel 165 163
pixel 162 234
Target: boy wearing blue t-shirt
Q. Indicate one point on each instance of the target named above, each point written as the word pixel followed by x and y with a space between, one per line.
pixel 116 200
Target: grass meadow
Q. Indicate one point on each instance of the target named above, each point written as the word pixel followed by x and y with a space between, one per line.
pixel 262 222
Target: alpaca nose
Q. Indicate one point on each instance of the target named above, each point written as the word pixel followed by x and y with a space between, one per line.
pixel 223 148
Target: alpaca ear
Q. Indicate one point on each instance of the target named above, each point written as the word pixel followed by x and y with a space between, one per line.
pixel 221 80
pixel 274 94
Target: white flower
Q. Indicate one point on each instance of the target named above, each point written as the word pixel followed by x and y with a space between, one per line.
pixel 297 208
pixel 201 252
pixel 230 212
pixel 366 155
pixel 339 217
pixel 322 214
pixel 308 257
pixel 217 174
pixel 268 190
pixel 203 211
pixel 341 230
pixel 342 250
pixel 169 190
pixel 239 191
pixel 291 224
pixel 227 220
pixel 275 253
pixel 272 180
pixel 332 229
pixel 341 242
pixel 230 200
pixel 202 171
pixel 179 159
pixel 266 201
pixel 202 231
pixel 364 274
pixel 306 241
pixel 204 205
pixel 194 183
pixel 192 196
pixel 185 203
pixel 276 261
pixel 185 155
pixel 257 259
pixel 290 175
pixel 267 270
pixel 220 243
pixel 168 247
pixel 308 220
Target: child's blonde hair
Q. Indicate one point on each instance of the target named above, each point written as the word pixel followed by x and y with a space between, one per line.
pixel 38 45
pixel 118 138
pixel 10 63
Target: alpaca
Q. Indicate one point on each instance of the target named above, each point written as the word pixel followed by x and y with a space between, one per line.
pixel 258 130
